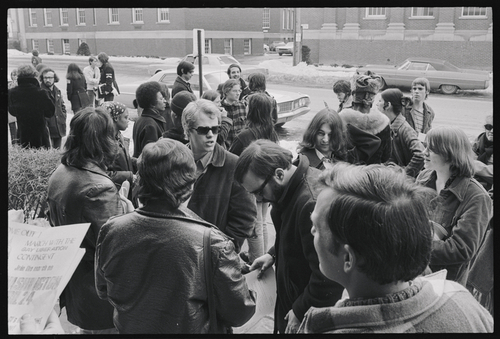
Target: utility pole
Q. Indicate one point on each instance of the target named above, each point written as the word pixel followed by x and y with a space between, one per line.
pixel 297 38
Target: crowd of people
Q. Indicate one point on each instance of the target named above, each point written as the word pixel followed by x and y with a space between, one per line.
pixel 383 223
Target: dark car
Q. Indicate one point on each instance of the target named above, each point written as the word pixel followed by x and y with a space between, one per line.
pixel 441 74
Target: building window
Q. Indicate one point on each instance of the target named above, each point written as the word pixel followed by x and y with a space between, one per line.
pixel 474 11
pixel 80 16
pixel 375 12
pixel 64 16
pixel 163 15
pixel 266 18
pixel 247 46
pixel 65 46
pixel 113 16
pixel 47 17
pixel 50 46
pixel 94 16
pixel 34 44
pixel 228 46
pixel 137 15
pixel 422 11
pixel 208 45
pixel 32 17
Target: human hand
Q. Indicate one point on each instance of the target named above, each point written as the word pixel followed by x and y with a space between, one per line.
pixel 293 323
pixel 127 204
pixel 223 112
pixel 263 262
pixel 53 325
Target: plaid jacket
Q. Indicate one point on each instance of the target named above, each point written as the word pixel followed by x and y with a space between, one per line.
pixel 236 112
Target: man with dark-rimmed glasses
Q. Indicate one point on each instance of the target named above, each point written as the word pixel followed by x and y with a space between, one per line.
pixel 266 170
pixel 217 197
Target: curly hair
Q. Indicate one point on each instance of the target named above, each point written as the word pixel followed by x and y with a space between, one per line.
pixel 146 94
pixel 339 140
pixel 27 71
pixel 45 70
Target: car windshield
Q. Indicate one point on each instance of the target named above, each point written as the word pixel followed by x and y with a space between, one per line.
pixel 214 79
pixel 403 65
pixel 227 60
pixel 450 67
pixel 168 79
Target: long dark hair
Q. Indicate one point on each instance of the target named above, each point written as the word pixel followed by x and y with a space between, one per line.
pixel 90 139
pixel 74 72
pixel 259 119
pixel 339 140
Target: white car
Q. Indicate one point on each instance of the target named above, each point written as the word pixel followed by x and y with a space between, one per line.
pixel 290 104
pixel 221 61
pixel 285 49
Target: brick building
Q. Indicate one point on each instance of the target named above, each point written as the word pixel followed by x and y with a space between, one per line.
pixel 165 32
pixel 388 35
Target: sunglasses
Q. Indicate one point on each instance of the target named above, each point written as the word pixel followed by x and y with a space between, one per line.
pixel 203 130
pixel 259 190
pixel 488 127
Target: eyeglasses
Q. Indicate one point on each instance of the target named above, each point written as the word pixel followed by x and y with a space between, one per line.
pixel 48 77
pixel 203 130
pixel 259 190
pixel 488 127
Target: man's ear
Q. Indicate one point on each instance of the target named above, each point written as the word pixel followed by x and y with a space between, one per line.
pixel 350 258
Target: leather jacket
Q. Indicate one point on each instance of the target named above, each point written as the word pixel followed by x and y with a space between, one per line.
pixel 150 267
pixel 80 195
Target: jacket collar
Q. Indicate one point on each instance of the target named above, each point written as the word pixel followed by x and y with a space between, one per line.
pixel 91 167
pixel 148 112
pixel 458 187
pixel 295 180
pixel 397 123
pixel 28 82
pixel 219 157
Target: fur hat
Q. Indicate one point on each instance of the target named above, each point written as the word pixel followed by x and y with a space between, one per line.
pixel 365 86
pixel 180 101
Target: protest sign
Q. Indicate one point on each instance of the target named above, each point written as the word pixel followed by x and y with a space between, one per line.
pixel 41 260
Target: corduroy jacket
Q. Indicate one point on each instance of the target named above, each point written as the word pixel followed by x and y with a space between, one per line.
pixel 464 209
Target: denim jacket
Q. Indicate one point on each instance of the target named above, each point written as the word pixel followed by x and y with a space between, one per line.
pixel 428 117
pixel 464 209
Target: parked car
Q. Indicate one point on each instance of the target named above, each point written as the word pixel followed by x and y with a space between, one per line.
pixel 211 59
pixel 274 44
pixel 290 104
pixel 285 49
pixel 441 74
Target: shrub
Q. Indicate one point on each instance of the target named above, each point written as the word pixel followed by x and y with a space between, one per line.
pixel 83 49
pixel 28 175
pixel 306 54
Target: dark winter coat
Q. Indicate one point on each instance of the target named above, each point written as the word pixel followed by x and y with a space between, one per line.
pixel 180 85
pixel 122 167
pixel 222 201
pixel 30 104
pixel 299 282
pixel 76 90
pixel 84 195
pixel 148 128
pixel 57 123
pixel 428 117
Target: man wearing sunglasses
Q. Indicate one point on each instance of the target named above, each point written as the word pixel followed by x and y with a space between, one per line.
pixel 217 197
pixel 265 169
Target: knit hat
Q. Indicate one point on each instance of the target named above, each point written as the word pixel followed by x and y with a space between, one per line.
pixel 114 108
pixel 181 100
pixel 365 86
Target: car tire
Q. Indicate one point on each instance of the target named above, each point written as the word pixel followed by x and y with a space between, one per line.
pixel 448 89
